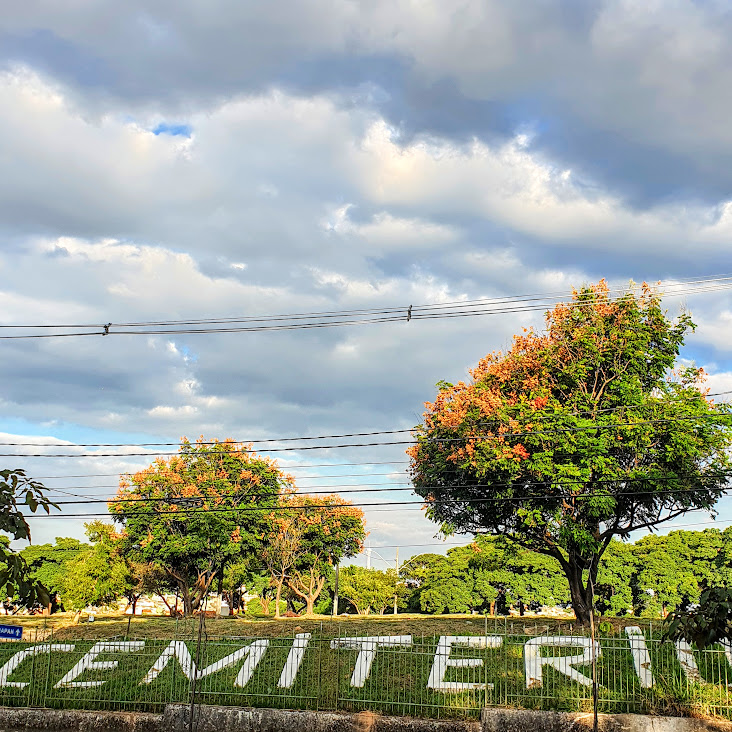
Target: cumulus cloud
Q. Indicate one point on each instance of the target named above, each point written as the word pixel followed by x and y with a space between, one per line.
pixel 164 161
pixel 615 88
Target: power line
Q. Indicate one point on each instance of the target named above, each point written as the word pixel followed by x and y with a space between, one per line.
pixel 548 484
pixel 283 467
pixel 301 448
pixel 330 319
pixel 309 438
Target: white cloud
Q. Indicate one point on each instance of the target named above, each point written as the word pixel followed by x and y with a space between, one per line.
pixel 282 202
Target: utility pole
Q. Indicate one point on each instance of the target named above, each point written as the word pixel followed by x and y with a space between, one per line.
pixel 396 585
pixel 334 612
pixel 368 557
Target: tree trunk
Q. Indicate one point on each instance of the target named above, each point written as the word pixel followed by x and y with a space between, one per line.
pixel 581 594
pixel 187 599
pixel 278 595
pixel 309 589
pixel 165 602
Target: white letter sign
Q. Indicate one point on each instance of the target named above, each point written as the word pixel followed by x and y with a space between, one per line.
pixel 294 659
pixel 687 661
pixel 641 657
pixel 533 659
pixel 177 649
pixel 366 647
pixel 88 663
pixel 442 661
pixel 20 656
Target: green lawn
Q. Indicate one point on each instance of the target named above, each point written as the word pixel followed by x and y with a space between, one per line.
pixel 398 678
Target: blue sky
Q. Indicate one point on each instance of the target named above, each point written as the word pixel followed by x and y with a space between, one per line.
pixel 177 160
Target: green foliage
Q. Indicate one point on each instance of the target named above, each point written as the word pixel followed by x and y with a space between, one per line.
pixel 673 569
pixel 369 590
pixel 309 539
pixel 472 578
pixel 576 436
pixel 98 575
pixel 198 512
pixel 46 562
pixel 449 585
pixel 705 625
pixel 616 579
pixel 18 490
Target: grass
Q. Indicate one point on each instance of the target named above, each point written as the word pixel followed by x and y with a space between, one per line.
pixel 398 680
pixel 62 625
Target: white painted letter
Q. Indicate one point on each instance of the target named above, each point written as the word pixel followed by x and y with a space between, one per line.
pixel 641 657
pixel 253 653
pixel 88 663
pixel 533 659
pixel 442 660
pixel 686 659
pixel 366 647
pixel 177 649
pixel 19 657
pixel 294 659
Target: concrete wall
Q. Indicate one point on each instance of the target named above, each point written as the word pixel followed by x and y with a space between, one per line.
pixel 231 719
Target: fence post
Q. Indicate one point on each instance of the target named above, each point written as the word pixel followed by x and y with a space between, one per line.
pixel 196 666
pixel 48 676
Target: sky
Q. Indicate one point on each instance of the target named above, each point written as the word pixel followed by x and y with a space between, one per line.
pixel 176 159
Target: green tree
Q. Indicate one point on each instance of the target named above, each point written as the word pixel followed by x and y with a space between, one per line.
pixel 329 529
pixel 707 623
pixel 18 492
pixel 284 549
pixel 99 575
pixel 472 577
pixel 198 512
pixel 576 436
pixel 412 575
pixel 617 578
pixel 449 586
pixel 368 590
pixel 674 568
pixel 46 562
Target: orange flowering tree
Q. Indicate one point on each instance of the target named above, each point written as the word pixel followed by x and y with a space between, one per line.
pixel 197 512
pixel 309 536
pixel 576 435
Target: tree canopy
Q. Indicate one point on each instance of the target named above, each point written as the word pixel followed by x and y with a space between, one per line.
pixel 47 563
pixel 368 590
pixel 574 436
pixel 99 574
pixel 328 529
pixel 197 512
pixel 18 490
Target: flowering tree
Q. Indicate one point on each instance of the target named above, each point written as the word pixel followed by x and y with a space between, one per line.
pixel 576 435
pixel 310 534
pixel 199 511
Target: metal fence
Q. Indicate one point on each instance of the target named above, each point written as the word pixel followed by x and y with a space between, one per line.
pixel 445 676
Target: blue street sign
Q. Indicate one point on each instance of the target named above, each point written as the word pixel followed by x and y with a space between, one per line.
pixel 13 632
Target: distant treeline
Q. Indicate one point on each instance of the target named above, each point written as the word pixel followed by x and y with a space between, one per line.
pixel 646 578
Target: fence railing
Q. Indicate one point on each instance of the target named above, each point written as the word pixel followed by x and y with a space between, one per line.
pixel 433 676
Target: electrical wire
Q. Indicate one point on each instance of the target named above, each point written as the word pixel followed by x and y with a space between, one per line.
pixel 309 438
pixel 330 319
pixel 441 440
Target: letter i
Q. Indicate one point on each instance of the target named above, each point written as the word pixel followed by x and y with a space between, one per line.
pixel 294 660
